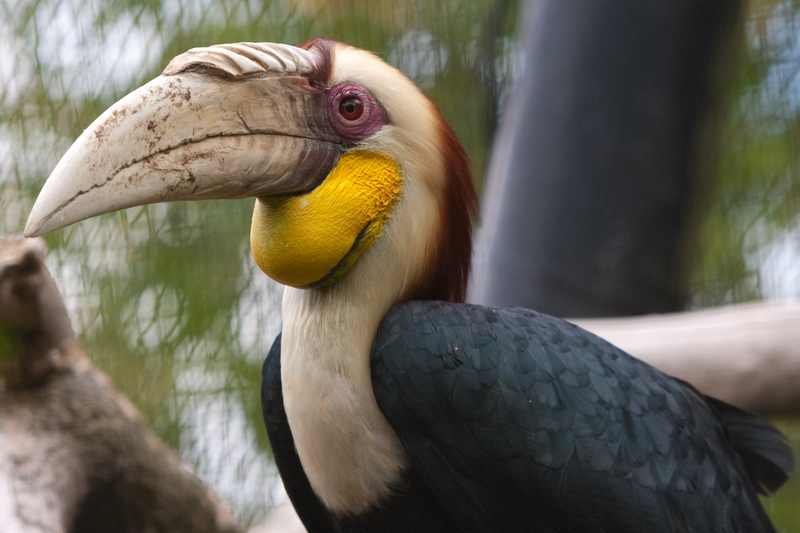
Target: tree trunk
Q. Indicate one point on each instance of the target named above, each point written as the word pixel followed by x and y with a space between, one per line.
pixel 602 155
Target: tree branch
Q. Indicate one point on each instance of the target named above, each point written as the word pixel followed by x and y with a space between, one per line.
pixel 747 355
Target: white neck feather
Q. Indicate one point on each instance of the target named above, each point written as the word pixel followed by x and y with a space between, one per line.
pixel 349 452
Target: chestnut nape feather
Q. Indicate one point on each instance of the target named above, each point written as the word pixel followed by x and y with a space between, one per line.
pixel 449 265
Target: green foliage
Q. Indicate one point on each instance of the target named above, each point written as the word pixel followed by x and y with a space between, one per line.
pixel 756 197
pixel 8 350
pixel 784 507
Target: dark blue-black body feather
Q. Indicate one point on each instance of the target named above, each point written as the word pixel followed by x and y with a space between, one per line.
pixel 517 421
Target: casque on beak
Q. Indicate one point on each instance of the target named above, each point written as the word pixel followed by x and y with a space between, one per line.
pixel 230 121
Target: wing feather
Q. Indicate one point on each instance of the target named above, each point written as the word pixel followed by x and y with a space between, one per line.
pixel 566 431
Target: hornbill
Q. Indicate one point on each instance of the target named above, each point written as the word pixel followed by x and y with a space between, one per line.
pixel 390 404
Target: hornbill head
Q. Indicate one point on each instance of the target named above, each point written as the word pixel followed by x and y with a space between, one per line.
pixel 339 149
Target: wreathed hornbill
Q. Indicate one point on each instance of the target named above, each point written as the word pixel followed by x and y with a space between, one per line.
pixel 390 404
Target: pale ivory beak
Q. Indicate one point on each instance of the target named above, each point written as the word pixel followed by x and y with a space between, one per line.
pixel 228 121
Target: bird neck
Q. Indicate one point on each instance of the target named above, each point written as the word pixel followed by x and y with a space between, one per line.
pixel 351 455
pixel 349 452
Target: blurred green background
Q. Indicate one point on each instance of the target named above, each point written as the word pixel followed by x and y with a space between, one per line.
pixel 166 298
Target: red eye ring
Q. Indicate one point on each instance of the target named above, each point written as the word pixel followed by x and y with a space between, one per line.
pixel 353 112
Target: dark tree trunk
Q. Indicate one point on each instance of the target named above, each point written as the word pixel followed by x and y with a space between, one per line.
pixel 602 154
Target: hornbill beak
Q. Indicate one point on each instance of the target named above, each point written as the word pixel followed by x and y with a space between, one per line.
pixel 229 121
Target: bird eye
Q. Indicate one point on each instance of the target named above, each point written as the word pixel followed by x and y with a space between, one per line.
pixel 353 112
pixel 351 108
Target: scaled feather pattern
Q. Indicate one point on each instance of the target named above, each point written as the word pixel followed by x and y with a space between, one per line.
pixel 559 428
